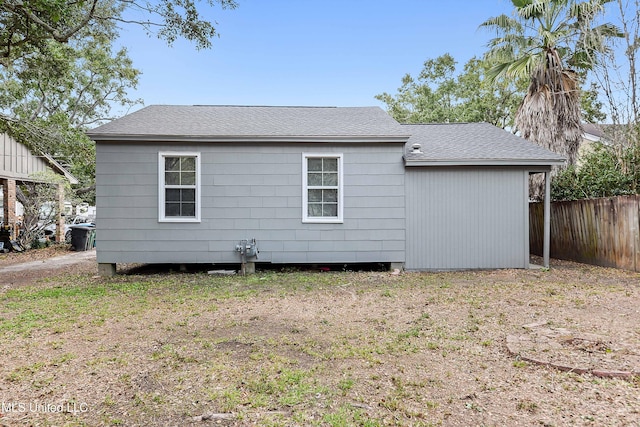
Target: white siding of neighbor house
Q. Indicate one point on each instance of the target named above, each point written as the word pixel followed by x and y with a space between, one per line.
pixel 467 218
pixel 16 161
pixel 250 191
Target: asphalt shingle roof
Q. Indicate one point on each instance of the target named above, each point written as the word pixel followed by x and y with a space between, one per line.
pixel 441 144
pixel 482 143
pixel 236 122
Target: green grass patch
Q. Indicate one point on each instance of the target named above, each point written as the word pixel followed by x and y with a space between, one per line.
pixel 282 348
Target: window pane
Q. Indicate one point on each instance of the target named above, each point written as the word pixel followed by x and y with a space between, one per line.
pixel 189 195
pixel 330 196
pixel 188 209
pixel 330 165
pixel 314 179
pixel 330 179
pixel 172 195
pixel 172 178
pixel 188 164
pixel 314 165
pixel 315 209
pixel 330 209
pixel 172 163
pixel 315 195
pixel 172 209
pixel 188 178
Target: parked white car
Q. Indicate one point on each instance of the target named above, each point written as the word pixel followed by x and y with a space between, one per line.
pixel 70 222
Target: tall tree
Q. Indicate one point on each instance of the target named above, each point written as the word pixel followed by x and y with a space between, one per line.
pixel 50 97
pixel 618 76
pixel 550 42
pixel 429 98
pixel 82 79
pixel 488 101
pixel 60 75
pixel 25 25
pixel 442 94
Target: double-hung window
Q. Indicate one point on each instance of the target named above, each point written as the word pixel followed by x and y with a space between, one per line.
pixel 179 187
pixel 322 188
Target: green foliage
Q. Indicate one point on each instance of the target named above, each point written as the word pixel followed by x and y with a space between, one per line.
pixel 60 75
pixel 82 79
pixel 37 198
pixel 49 98
pixel 603 172
pixel 27 26
pixel 40 244
pixel 67 144
pixel 440 94
pixel 546 41
pixel 539 26
pixel 591 106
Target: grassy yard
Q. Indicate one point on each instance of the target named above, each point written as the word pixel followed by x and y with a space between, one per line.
pixel 319 349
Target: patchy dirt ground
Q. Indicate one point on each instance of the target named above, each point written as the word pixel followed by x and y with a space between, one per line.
pixel 33 265
pixel 492 348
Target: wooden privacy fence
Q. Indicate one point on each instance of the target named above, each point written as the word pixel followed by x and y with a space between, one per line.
pixel 602 232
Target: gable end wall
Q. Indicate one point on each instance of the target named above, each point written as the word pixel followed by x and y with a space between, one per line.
pixel 17 162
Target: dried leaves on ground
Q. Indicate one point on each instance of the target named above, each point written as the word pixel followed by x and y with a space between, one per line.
pixel 327 349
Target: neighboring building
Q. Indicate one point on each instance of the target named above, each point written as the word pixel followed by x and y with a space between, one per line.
pixel 18 164
pixel 319 185
pixel 593 134
pixel 606 135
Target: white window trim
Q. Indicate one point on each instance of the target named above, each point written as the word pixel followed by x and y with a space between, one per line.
pixel 161 186
pixel 305 199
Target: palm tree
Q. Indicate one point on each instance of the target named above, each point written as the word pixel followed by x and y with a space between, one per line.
pixel 551 42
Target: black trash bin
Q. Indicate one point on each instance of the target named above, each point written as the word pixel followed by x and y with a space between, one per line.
pixel 82 237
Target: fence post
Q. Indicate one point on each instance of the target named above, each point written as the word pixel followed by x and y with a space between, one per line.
pixel 636 236
pixel 547 220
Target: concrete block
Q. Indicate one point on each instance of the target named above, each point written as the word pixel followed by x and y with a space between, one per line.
pixel 249 268
pixel 106 269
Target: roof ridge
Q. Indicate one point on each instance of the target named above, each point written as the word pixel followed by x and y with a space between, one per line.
pixel 443 124
pixel 262 106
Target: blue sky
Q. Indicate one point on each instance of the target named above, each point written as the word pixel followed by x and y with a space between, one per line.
pixel 309 52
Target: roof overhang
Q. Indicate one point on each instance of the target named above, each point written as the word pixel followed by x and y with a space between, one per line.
pixel 591 137
pixel 360 139
pixel 61 169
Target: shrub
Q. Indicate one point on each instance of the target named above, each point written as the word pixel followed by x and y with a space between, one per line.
pixel 604 172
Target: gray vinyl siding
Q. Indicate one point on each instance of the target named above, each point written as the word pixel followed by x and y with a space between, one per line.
pixel 250 191
pixel 16 161
pixel 466 218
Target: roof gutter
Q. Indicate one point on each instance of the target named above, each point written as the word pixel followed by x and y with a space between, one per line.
pixel 483 162
pixel 112 137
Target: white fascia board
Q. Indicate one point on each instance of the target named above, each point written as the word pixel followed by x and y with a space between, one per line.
pixel 54 163
pixel 591 137
pixel 485 162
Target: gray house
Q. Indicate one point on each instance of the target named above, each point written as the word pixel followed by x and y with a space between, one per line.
pixel 320 185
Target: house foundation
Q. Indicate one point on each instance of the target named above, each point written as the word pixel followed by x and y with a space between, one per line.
pixel 248 268
pixel 106 269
